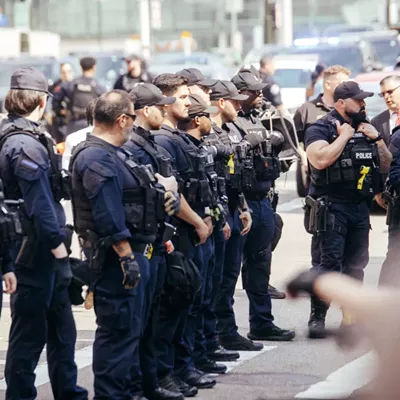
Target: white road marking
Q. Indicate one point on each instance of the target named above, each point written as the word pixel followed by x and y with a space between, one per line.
pixel 245 356
pixel 83 359
pixel 344 381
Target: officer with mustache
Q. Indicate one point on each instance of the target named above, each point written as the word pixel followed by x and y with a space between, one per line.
pixel 346 155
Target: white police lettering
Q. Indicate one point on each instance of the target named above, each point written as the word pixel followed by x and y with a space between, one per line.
pixel 259 131
pixel 234 139
pixel 84 88
pixel 364 156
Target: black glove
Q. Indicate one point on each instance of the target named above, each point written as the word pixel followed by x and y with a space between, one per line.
pixel 68 231
pixel 223 151
pixel 172 203
pixel 131 271
pixel 63 272
pixel 304 282
pixel 254 140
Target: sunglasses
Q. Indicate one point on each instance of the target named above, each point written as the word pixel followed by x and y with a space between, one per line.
pixel 132 116
pixel 389 92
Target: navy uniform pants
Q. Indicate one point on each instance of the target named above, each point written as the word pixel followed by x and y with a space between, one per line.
pixel 390 271
pixel 41 315
pixel 172 347
pixel 256 251
pixel 144 370
pixel 210 319
pixel 204 300
pixel 256 270
pixel 344 247
pixel 226 323
pixel 119 325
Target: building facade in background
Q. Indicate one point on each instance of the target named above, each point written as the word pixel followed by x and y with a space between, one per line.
pixel 106 23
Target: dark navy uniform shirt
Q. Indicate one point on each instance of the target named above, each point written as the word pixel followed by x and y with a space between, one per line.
pixel 67 89
pixel 25 169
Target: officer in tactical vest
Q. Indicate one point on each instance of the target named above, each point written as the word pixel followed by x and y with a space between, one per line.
pixel 149 105
pixel 198 126
pixel 41 308
pixel 77 94
pixel 223 95
pixel 117 206
pixel 194 227
pixel 137 73
pixel 264 164
pixel 346 156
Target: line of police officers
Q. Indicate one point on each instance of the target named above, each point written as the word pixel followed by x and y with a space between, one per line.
pixel 168 194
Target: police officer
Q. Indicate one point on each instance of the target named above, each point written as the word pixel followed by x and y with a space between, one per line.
pixel 149 109
pixel 115 206
pixel 224 96
pixel 137 73
pixel 271 91
pixel 77 94
pixel 257 247
pixel 198 84
pixel 41 308
pixel 346 155
pixel 177 357
pixel 198 126
pixel 311 112
pixel 59 122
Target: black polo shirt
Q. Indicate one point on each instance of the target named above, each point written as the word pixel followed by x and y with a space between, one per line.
pixel 308 113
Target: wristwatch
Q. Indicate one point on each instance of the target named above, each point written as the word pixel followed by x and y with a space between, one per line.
pixel 377 139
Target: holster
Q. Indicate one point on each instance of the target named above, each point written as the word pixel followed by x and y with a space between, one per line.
pixel 393 211
pixel 29 245
pixel 319 217
pixel 94 248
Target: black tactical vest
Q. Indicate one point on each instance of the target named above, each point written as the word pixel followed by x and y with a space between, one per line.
pixel 266 162
pixel 143 202
pixel 82 94
pixel 194 182
pixel 58 182
pixel 356 171
pixel 163 163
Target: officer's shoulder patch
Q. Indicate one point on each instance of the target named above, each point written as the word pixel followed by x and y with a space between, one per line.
pixel 36 154
pixel 274 89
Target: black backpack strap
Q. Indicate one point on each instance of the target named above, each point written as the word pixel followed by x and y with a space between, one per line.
pixel 146 146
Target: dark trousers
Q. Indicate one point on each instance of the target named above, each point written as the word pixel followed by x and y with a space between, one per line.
pixel 170 344
pixel 204 300
pixel 41 316
pixel 226 322
pixel 192 321
pixel 119 313
pixel 390 271
pixel 345 247
pixel 144 373
pixel 257 264
pixel 210 319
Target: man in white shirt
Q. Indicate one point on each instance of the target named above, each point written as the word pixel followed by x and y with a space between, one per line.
pixel 77 137
pixel 388 119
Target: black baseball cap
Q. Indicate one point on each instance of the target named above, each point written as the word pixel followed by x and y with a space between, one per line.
pixel 350 90
pixel 147 94
pixel 226 90
pixel 29 78
pixel 247 80
pixel 195 77
pixel 199 106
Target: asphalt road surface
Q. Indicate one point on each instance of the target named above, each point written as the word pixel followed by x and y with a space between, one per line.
pixel 299 369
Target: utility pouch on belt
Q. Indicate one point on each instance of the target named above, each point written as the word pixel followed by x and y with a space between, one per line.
pixel 94 248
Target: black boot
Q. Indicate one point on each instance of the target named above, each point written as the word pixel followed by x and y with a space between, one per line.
pixel 316 324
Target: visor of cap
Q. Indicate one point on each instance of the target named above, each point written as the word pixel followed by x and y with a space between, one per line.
pixel 207 82
pixel 362 95
pixel 166 100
